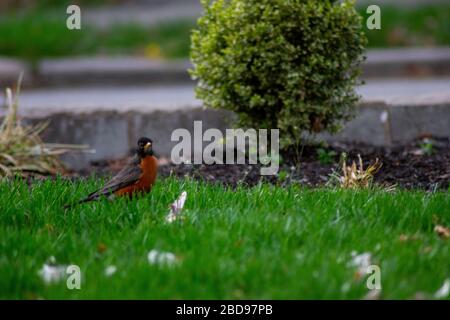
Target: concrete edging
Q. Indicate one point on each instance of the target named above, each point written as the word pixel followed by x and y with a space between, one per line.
pixel 104 71
pixel 114 133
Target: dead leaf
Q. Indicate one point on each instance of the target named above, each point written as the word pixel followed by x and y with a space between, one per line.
pixel 420 296
pixel 101 247
pixel 373 295
pixel 50 228
pixel 427 249
pixel 406 238
pixel 403 238
pixel 442 231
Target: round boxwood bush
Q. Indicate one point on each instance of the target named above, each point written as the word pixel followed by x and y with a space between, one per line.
pixel 287 64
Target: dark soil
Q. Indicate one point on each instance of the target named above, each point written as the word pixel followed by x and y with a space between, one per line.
pixel 423 164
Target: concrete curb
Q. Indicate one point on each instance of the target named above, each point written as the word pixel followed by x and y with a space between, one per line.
pixel 112 133
pixel 415 62
pixel 392 112
pixel 10 70
pixel 106 71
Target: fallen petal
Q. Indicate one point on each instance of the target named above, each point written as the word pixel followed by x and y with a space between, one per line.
pixel 361 261
pixel 156 257
pixel 176 207
pixel 110 270
pixel 443 292
pixel 52 274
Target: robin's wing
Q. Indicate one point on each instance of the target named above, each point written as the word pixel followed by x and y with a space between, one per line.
pixel 129 175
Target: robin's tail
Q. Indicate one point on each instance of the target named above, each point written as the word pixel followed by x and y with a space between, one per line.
pixel 88 199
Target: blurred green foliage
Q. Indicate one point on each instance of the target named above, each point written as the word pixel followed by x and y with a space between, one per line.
pixel 12 5
pixel 40 31
pixel 35 35
pixel 402 27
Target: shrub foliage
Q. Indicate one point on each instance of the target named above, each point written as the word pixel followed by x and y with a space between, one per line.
pixel 287 64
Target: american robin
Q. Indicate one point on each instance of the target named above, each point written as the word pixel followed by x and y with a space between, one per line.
pixel 138 176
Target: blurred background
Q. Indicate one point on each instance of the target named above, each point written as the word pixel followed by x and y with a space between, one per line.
pixel 133 56
pixel 159 29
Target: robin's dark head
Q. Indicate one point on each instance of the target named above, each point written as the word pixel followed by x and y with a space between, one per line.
pixel 145 147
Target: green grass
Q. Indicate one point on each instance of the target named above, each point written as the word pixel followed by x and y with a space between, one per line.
pixel 37 34
pixel 33 36
pixel 263 242
pixel 402 27
pixel 57 4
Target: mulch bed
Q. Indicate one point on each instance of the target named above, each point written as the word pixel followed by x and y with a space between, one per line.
pixel 409 166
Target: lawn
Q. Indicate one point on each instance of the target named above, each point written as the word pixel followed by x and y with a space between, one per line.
pixel 35 35
pixel 42 33
pixel 426 26
pixel 263 242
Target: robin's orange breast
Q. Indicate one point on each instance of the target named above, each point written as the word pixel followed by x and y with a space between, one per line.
pixel 149 167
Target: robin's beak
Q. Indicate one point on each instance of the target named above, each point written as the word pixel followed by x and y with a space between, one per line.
pixel 148 146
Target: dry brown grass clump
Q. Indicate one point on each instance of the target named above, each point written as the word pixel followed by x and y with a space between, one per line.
pixel 21 149
pixel 355 176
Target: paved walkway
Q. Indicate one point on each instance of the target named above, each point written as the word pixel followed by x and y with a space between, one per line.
pixel 105 17
pixel 169 98
pixel 152 12
pixel 407 92
pixel 117 71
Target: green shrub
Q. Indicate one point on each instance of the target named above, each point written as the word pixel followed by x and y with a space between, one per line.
pixel 287 64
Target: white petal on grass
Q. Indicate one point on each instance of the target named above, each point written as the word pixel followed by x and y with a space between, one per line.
pixel 443 292
pixel 176 207
pixel 361 261
pixel 52 274
pixel 110 270
pixel 156 257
